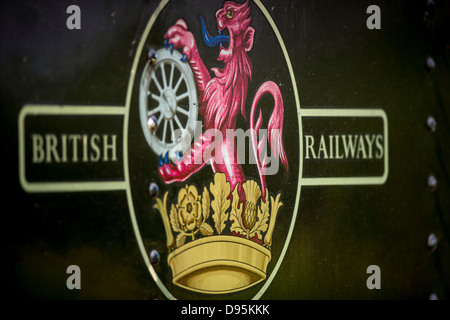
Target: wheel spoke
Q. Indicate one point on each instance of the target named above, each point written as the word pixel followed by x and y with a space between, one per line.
pixel 159 119
pixel 164 131
pixel 178 122
pixel 182 96
pixel 172 130
pixel 157 82
pixel 153 96
pixel 171 76
pixel 175 89
pixel 185 112
pixel 152 112
pixel 163 72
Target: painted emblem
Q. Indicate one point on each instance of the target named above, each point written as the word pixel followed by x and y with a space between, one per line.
pixel 199 148
pixel 219 226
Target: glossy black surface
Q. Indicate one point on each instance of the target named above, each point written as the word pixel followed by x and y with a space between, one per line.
pixel 339 231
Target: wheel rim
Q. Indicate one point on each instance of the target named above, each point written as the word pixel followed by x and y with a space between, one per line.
pixel 168 104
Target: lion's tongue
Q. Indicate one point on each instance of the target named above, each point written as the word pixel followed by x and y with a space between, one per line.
pixel 212 41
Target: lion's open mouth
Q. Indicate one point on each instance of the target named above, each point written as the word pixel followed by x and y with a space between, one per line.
pixel 220 39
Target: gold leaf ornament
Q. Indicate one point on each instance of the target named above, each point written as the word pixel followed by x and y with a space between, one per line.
pixel 181 239
pixel 275 207
pixel 263 216
pixel 206 202
pixel 220 189
pixel 161 206
pixel 206 229
pixel 174 219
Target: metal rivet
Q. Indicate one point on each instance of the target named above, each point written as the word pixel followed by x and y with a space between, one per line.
pixel 151 56
pixel 153 190
pixel 433 296
pixel 154 257
pixel 432 241
pixel 432 183
pixel 430 64
pixel 152 124
pixel 431 124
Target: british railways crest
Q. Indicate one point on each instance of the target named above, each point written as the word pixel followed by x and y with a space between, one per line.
pixel 212 101
pixel 211 148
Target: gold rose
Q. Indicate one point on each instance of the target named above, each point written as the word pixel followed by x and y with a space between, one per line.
pixel 187 217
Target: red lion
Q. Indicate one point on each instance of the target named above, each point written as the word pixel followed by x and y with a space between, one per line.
pixel 223 97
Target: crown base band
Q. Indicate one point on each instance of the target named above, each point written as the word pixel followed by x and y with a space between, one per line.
pixel 219 264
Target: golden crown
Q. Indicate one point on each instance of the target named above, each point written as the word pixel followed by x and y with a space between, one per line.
pixel 226 252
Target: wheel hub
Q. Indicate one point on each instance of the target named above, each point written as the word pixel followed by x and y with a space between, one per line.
pixel 168 103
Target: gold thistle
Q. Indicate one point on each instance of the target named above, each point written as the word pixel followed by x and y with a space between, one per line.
pixel 252 194
pixel 252 220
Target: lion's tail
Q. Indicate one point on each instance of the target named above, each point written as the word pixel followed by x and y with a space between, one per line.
pixel 274 132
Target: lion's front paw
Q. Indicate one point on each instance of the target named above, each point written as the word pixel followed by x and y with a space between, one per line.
pixel 167 170
pixel 179 37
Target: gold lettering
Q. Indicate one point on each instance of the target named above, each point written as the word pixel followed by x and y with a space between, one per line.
pixel 350 146
pixel 51 141
pixel 361 148
pixel 338 156
pixel 370 143
pixel 75 138
pixel 51 148
pixel 330 138
pixel 379 144
pixel 355 146
pixel 95 148
pixel 322 148
pixel 64 147
pixel 111 146
pixel 85 148
pixel 309 146
pixel 38 148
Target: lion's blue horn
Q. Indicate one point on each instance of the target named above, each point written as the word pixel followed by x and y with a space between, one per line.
pixel 210 41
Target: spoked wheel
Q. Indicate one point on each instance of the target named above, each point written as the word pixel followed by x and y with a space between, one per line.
pixel 168 104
